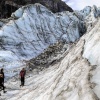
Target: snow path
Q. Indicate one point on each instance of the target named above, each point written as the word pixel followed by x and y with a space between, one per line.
pixel 67 80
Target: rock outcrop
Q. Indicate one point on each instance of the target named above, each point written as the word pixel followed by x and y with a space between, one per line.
pixel 9 6
pixel 54 5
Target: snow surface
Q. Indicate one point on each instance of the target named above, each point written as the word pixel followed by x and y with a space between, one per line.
pixel 91 52
pixel 66 80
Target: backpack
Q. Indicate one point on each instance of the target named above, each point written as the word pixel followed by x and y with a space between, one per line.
pixel 22 73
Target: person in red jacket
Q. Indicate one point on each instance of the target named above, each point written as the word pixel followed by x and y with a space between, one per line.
pixel 22 76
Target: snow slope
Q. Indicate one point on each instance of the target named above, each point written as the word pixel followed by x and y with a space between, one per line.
pixel 91 52
pixel 69 79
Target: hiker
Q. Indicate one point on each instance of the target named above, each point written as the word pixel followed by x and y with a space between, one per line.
pixel 22 76
pixel 3 75
pixel 2 80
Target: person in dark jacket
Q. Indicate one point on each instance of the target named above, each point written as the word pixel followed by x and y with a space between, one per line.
pixel 2 80
pixel 2 72
pixel 22 76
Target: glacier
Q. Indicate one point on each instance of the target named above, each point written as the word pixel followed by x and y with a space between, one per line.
pixel 33 29
pixel 30 30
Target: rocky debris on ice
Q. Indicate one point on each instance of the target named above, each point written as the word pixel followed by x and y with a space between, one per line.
pixel 53 54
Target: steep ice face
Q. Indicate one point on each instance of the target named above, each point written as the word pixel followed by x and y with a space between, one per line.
pixel 36 29
pixel 33 30
pixel 86 11
pixel 88 17
pixel 89 11
pixel 92 15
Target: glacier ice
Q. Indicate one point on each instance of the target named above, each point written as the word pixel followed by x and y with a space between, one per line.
pixel 33 29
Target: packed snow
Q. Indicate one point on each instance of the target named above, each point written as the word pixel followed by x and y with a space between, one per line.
pixel 91 52
pixel 66 80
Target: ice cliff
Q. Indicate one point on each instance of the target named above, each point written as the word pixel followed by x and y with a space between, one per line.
pixel 31 30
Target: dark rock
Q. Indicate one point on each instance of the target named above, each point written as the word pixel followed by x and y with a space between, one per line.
pixel 54 5
pixel 82 28
pixel 9 6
